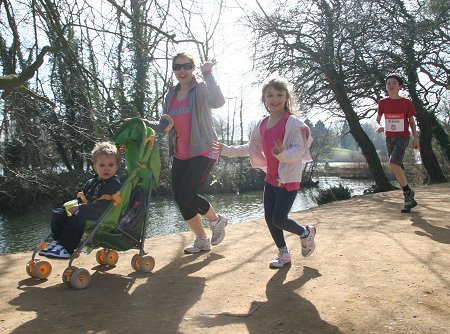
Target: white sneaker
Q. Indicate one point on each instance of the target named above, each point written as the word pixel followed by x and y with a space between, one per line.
pixel 218 230
pixel 199 245
pixel 48 248
pixel 280 260
pixel 308 244
pixel 58 252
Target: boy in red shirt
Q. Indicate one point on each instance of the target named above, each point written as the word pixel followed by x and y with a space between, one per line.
pixel 399 115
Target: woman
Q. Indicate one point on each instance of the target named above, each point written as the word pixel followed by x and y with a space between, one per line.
pixel 191 140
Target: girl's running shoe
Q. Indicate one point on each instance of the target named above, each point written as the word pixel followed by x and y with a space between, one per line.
pixel 308 243
pixel 280 260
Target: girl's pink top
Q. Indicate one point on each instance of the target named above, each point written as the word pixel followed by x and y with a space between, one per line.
pixel 269 138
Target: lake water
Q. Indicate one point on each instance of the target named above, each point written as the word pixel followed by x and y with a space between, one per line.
pixel 21 233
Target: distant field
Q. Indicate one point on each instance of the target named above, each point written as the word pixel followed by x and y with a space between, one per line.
pixel 345 155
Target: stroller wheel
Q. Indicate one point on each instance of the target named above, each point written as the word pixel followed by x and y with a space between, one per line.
pixel 80 279
pixel 67 274
pixel 135 260
pixel 146 264
pixel 42 269
pixel 100 256
pixel 111 257
pixel 30 266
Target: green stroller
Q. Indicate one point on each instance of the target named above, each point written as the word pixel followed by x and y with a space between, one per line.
pixel 123 225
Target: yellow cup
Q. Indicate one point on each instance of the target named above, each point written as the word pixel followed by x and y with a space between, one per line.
pixel 70 204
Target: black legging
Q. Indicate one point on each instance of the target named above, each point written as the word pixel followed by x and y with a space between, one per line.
pixel 68 231
pixel 187 177
pixel 277 204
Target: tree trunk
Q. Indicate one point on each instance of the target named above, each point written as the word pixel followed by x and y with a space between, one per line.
pixel 367 148
pixel 424 123
pixel 140 58
pixel 441 136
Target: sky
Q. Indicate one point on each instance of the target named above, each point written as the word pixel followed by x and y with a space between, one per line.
pixel 234 70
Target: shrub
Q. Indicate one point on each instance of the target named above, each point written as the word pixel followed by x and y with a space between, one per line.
pixel 331 194
pixel 35 188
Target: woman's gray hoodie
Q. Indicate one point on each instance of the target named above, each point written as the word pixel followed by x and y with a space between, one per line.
pixel 202 96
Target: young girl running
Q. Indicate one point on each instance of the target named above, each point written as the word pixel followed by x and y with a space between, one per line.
pixel 279 145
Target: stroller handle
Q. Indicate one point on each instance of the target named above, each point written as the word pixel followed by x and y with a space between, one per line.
pixel 169 120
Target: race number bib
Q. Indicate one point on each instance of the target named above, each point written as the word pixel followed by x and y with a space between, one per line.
pixel 394 123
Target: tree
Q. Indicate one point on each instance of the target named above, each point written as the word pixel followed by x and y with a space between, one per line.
pixel 60 98
pixel 346 140
pixel 18 82
pixel 324 139
pixel 415 44
pixel 313 43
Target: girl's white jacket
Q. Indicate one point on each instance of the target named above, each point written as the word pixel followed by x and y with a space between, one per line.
pixel 297 141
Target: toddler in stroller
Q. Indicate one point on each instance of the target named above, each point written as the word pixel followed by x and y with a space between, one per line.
pixel 122 223
pixel 67 224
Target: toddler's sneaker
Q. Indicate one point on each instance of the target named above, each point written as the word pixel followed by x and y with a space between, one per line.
pixel 58 252
pixel 199 245
pixel 48 248
pixel 218 230
pixel 308 244
pixel 280 260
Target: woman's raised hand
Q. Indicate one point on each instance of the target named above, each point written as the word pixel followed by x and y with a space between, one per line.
pixel 208 65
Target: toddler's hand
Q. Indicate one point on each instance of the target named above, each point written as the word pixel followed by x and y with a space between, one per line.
pixel 73 209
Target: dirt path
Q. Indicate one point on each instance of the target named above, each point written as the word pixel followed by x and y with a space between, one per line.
pixel 375 270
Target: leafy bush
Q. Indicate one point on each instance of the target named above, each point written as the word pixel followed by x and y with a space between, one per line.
pixel 331 194
pixel 32 189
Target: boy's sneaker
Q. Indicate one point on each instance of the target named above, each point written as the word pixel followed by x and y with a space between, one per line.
pixel 280 260
pixel 218 230
pixel 58 252
pixel 49 246
pixel 308 244
pixel 410 202
pixel 199 245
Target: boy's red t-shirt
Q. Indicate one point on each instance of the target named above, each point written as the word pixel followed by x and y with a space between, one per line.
pixel 396 113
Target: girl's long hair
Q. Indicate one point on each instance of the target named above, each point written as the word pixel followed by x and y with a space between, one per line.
pixel 279 84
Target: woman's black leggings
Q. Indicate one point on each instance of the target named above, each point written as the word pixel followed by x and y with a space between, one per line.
pixel 187 177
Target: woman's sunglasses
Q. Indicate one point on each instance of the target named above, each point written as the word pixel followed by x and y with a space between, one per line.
pixel 186 66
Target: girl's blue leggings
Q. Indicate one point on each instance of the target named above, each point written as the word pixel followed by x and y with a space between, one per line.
pixel 277 204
